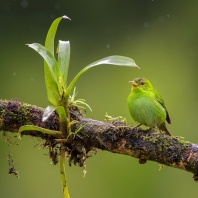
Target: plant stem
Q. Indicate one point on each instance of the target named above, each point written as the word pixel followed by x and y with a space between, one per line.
pixel 63 172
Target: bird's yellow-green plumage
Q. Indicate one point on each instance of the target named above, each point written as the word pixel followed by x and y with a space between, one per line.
pixel 146 106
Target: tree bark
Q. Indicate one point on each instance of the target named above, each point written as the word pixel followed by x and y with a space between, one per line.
pixel 90 135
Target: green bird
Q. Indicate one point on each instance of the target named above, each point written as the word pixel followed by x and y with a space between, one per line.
pixel 146 105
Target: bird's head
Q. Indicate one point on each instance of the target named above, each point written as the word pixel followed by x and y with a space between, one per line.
pixel 141 83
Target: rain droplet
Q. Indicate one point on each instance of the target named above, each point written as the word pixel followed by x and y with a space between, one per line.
pixel 108 46
pixel 161 19
pixel 6 7
pixel 57 5
pixel 146 25
pixel 24 3
pixel 52 16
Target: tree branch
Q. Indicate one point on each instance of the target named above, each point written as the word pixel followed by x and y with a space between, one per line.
pixel 115 137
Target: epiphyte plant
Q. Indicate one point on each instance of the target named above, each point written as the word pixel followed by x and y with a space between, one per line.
pixel 58 91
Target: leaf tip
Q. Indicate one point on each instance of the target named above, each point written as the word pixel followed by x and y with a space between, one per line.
pixel 136 66
pixel 19 136
pixel 44 119
pixel 66 17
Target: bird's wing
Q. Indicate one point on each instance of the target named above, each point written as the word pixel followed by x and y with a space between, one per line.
pixel 161 101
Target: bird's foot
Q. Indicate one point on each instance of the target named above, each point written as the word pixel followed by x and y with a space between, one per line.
pixel 142 161
pixel 136 128
pixel 154 130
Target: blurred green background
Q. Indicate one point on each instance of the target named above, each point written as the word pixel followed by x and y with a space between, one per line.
pixel 160 35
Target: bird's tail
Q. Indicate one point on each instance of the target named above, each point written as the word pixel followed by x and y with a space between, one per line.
pixel 164 128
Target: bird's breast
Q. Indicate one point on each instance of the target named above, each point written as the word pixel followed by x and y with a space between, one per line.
pixel 145 109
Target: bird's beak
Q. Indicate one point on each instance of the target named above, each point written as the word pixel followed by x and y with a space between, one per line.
pixel 133 83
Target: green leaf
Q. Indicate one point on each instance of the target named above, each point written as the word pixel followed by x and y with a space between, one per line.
pixel 50 60
pixel 49 42
pixel 63 59
pixel 114 60
pixel 54 89
pixel 56 134
pixel 111 60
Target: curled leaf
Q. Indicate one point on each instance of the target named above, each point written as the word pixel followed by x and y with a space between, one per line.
pixel 49 41
pixel 53 77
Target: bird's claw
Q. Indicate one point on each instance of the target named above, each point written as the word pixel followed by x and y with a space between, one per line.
pixel 136 128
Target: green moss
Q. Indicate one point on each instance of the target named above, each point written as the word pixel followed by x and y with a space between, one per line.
pixel 25 112
pixel 1 123
pixel 111 119
pixel 2 113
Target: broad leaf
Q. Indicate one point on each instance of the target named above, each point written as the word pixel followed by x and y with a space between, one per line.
pixel 63 59
pixel 111 60
pixel 48 57
pixel 51 73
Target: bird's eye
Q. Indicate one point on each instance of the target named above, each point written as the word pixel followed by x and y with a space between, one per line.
pixel 142 83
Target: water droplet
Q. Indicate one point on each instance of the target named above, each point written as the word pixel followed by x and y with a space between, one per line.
pixel 52 16
pixel 6 7
pixel 57 5
pixel 24 3
pixel 161 19
pixel 146 25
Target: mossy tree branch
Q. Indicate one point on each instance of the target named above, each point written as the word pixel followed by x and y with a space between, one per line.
pixel 115 137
